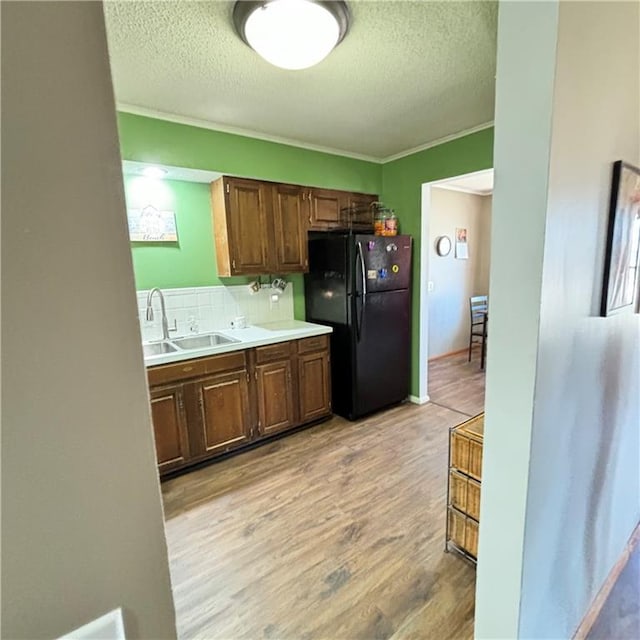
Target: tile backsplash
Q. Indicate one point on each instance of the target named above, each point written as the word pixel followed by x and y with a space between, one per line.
pixel 203 309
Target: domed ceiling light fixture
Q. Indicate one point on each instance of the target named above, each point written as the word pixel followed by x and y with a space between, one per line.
pixel 291 34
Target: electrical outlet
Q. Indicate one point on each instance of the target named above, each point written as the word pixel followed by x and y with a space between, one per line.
pixel 192 323
pixel 430 286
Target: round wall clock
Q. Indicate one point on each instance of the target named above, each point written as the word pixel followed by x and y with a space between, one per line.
pixel 443 245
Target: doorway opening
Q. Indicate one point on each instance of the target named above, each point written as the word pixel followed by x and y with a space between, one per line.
pixel 455 257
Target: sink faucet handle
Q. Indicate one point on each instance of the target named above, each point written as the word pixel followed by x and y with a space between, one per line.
pixel 175 326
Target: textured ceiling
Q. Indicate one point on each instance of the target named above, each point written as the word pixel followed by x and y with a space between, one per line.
pixel 408 73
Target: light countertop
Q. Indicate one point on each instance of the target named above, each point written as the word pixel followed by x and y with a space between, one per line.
pixel 252 336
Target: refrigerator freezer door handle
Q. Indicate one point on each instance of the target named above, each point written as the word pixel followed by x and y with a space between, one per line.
pixel 364 290
pixel 364 276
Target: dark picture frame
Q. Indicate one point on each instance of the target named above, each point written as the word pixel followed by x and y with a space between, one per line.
pixel 621 279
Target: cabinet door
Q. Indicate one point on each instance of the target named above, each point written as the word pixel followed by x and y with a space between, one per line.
pixel 248 215
pixel 170 427
pixel 290 227
pixel 361 216
pixel 324 208
pixel 223 421
pixel 275 397
pixel 315 389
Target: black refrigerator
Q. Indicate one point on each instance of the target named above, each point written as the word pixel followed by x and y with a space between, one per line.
pixel 360 286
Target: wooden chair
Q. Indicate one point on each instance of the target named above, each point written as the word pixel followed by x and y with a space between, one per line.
pixel 478 307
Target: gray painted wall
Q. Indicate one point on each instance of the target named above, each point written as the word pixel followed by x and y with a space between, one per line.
pixel 82 527
pixel 484 263
pixel 584 484
pixel 456 280
pixel 560 486
pixel 527 34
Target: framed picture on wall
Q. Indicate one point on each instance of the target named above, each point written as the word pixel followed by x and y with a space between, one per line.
pixel 149 224
pixel 621 281
pixel 462 248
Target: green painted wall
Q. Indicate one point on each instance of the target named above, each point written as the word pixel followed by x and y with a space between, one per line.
pixel 402 182
pixel 150 140
pixel 192 262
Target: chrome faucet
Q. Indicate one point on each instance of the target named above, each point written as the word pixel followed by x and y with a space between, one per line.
pixel 165 324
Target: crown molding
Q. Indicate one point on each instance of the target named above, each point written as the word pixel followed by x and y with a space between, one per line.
pixel 213 126
pixel 439 141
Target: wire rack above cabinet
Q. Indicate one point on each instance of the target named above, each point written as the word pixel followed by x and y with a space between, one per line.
pixel 367 216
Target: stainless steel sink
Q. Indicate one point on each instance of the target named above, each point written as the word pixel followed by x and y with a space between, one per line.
pixel 157 348
pixel 202 341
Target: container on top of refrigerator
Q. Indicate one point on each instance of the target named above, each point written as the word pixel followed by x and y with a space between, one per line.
pixel 391 225
pixel 378 221
pixel 385 221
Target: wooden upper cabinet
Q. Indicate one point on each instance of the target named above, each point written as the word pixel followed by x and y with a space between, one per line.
pixel 324 207
pixel 241 221
pixel 259 227
pixel 223 413
pixel 290 229
pixel 170 427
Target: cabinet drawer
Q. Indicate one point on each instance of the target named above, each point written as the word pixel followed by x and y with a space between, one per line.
pixel 317 343
pixel 280 351
pixel 195 368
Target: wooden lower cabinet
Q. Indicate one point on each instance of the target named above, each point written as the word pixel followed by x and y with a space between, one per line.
pixel 170 427
pixel 206 407
pixel 223 413
pixel 314 385
pixel 275 397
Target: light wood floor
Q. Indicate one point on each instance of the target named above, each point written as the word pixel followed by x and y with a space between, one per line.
pixel 458 384
pixel 334 532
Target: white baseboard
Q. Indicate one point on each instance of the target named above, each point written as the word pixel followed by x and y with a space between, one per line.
pixel 419 399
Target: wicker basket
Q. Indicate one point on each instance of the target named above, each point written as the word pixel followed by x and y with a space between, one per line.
pixel 464 494
pixel 466 447
pixel 463 532
pixel 465 473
